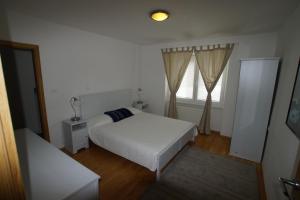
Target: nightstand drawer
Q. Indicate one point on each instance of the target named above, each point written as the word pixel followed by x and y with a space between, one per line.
pixel 79 136
pixel 78 126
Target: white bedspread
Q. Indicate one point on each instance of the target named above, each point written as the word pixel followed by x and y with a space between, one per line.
pixel 141 138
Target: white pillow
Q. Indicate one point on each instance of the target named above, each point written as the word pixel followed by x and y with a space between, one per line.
pixel 99 120
pixel 134 110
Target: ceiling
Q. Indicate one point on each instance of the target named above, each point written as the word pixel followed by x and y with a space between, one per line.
pixel 189 19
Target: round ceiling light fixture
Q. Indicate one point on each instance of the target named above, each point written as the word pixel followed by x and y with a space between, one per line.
pixel 159 15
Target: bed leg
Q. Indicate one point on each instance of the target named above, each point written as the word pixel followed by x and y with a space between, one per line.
pixel 157 175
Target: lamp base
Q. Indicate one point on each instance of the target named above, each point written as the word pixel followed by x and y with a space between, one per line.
pixel 74 119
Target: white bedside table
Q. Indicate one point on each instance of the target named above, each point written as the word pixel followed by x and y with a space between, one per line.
pixel 141 106
pixel 76 135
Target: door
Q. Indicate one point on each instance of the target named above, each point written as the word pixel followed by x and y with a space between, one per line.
pixel 23 78
pixel 296 190
pixel 12 87
pixel 291 187
pixel 18 69
pixel 255 94
pixel 11 185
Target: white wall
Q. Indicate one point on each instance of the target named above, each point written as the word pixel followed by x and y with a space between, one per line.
pixel 74 62
pixel 193 114
pixel 281 154
pixel 4 30
pixel 152 79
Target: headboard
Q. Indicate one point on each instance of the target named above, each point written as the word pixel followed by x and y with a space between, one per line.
pixel 97 103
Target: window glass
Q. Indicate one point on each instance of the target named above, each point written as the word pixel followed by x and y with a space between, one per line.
pixel 185 90
pixel 216 93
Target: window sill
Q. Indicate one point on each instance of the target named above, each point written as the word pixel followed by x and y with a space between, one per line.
pixel 200 105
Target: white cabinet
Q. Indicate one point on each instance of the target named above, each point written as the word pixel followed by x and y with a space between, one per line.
pixel 140 105
pixel 50 174
pixel 254 100
pixel 76 135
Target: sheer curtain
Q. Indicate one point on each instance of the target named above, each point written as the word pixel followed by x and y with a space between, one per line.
pixel 175 63
pixel 211 62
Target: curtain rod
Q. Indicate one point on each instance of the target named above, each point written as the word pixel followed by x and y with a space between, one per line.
pixel 197 47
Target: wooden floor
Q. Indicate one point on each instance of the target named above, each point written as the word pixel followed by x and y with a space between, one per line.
pixel 122 179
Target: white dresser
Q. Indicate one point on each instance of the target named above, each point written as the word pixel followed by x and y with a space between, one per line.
pixel 49 174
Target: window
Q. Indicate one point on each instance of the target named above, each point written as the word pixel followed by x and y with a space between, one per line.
pixel 202 93
pixel 185 90
pixel 192 89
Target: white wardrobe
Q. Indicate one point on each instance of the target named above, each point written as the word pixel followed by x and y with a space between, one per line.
pixel 254 101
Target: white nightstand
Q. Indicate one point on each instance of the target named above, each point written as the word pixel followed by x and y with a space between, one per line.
pixel 76 135
pixel 141 106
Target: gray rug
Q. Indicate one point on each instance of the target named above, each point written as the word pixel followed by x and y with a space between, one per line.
pixel 196 174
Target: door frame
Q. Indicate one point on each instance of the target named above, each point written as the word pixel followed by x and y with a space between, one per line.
pixel 38 79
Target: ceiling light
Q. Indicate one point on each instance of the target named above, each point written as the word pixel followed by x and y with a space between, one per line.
pixel 159 15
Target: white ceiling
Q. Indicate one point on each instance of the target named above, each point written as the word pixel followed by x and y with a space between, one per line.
pixel 189 19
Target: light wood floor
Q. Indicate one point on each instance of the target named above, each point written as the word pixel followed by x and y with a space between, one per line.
pixel 123 179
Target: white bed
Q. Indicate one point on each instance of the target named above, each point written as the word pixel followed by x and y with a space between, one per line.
pixel 146 139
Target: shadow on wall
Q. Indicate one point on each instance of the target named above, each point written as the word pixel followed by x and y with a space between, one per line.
pixel 4 28
pixel 9 71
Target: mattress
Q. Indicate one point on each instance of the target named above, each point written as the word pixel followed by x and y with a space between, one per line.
pixel 141 138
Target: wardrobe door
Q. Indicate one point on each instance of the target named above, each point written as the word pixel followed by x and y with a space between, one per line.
pixel 255 94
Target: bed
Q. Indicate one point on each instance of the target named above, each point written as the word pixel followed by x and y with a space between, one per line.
pixel 146 139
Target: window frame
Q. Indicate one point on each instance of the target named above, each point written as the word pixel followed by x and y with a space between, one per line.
pixel 194 102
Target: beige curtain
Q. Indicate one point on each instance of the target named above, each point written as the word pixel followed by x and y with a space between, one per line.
pixel 175 63
pixel 211 63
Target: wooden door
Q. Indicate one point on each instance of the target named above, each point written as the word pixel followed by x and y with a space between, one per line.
pixel 11 185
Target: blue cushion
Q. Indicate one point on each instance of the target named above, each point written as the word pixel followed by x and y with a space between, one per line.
pixel 119 114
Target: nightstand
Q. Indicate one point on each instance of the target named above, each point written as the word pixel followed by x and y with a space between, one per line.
pixel 76 135
pixel 141 106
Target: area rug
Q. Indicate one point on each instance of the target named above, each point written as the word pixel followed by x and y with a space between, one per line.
pixel 197 174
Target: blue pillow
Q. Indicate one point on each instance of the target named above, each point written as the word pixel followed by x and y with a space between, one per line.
pixel 119 114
